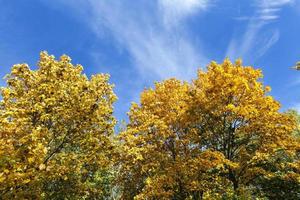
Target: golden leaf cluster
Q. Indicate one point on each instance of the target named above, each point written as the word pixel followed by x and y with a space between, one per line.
pixel 55 128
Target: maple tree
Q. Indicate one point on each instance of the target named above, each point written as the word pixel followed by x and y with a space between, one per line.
pixel 55 131
pixel 234 116
pixel 160 159
pixel 205 139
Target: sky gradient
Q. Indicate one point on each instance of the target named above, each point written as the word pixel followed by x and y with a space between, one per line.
pixel 139 42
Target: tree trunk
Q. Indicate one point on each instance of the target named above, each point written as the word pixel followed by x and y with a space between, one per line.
pixel 234 181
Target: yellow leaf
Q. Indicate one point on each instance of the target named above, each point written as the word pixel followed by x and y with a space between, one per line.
pixel 26 181
pixel 42 166
pixel 31 160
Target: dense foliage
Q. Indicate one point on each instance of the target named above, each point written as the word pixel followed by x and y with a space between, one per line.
pixel 221 136
pixel 55 128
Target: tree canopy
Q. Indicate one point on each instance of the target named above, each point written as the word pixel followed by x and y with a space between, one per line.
pixel 55 127
pixel 204 139
pixel 220 136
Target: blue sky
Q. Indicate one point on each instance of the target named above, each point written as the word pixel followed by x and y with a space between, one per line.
pixel 139 42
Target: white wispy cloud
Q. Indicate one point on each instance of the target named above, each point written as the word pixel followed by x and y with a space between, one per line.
pixel 268 42
pixel 153 48
pixel 152 32
pixel 174 11
pixel 269 9
pixel 256 41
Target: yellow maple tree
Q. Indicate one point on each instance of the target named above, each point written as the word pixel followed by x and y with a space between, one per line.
pixel 55 131
pixel 160 159
pixel 205 139
pixel 234 115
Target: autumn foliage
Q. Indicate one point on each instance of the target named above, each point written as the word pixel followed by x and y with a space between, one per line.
pixel 205 139
pixel 55 130
pixel 220 136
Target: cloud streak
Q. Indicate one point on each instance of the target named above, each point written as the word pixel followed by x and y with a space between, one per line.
pixel 151 32
pixel 256 41
pixel 153 48
pixel 174 11
pixel 269 9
